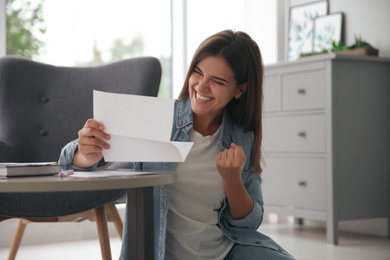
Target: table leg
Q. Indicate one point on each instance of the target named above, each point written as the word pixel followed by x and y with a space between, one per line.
pixel 140 228
pixel 388 227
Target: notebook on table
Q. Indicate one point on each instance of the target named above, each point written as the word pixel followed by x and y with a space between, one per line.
pixel 11 169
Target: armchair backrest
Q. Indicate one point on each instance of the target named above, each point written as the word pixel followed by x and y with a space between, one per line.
pixel 42 107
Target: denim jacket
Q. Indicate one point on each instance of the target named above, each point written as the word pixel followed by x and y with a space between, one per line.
pixel 242 231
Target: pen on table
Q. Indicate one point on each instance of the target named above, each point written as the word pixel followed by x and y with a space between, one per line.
pixel 65 173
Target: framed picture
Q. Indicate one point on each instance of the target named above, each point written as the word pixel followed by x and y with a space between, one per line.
pixel 327 28
pixel 301 27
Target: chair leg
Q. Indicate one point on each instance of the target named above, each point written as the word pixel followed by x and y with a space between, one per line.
pixel 101 222
pixel 21 226
pixel 116 219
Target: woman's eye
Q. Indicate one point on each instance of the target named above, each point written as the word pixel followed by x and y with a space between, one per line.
pixel 197 71
pixel 219 82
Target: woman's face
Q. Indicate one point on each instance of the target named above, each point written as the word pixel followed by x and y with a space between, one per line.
pixel 211 86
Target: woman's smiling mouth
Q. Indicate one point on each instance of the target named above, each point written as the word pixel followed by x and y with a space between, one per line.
pixel 202 98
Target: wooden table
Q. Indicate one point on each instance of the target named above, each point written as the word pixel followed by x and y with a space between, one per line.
pixel 140 228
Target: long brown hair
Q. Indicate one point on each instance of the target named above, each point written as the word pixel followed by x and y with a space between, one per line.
pixel 244 58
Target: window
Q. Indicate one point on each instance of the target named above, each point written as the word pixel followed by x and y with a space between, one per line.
pixel 94 32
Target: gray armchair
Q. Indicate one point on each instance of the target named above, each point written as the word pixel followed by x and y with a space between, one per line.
pixel 42 107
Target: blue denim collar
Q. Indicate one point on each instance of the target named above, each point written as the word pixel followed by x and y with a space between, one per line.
pixel 184 119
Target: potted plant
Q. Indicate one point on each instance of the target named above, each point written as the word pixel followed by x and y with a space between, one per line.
pixel 338 46
pixel 360 47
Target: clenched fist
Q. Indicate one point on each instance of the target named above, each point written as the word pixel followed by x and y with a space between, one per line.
pixel 230 163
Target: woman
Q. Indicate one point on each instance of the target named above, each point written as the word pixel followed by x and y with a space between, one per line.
pixel 215 207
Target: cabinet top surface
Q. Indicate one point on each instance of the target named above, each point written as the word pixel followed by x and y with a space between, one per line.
pixel 330 56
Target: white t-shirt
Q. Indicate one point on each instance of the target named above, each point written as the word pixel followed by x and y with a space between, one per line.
pixel 196 196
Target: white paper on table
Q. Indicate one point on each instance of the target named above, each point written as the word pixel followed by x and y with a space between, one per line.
pixel 107 173
pixel 140 128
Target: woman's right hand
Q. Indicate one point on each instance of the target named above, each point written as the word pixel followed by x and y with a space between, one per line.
pixel 91 143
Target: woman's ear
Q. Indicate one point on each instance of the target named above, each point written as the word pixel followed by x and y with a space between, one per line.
pixel 241 90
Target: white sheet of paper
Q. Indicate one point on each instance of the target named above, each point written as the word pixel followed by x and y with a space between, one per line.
pixel 107 173
pixel 140 128
pixel 132 115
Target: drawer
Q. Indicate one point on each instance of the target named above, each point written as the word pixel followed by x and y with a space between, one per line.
pixel 295 182
pixel 271 93
pixel 304 133
pixel 303 90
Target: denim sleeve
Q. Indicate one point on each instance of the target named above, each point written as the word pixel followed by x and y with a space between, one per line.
pixel 251 221
pixel 67 155
pixel 255 217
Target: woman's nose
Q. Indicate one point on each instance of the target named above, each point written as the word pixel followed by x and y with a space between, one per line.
pixel 203 84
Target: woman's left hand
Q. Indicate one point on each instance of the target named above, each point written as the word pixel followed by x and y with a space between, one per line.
pixel 230 163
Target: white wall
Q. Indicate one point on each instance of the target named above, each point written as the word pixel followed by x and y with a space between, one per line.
pixel 260 22
pixel 256 17
pixel 366 18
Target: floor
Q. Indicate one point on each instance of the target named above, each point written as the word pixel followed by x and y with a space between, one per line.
pixel 303 243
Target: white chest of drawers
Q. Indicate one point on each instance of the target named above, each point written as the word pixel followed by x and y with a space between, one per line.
pixel 327 139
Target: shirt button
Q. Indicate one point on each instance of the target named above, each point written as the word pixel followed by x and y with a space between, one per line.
pixel 180 123
pixel 234 237
pixel 258 242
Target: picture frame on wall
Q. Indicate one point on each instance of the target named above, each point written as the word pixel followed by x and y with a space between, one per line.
pixel 301 27
pixel 327 28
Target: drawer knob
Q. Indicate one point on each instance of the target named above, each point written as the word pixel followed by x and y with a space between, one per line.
pixel 302 134
pixel 301 91
pixel 302 183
